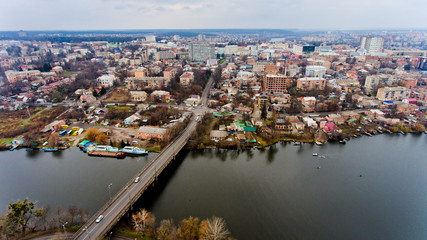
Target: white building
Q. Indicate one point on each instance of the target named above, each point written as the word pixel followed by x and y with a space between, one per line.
pixel 372 44
pixel 315 71
pixel 106 80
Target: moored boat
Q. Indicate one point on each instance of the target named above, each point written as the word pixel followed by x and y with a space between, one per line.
pixel 50 149
pixel 134 151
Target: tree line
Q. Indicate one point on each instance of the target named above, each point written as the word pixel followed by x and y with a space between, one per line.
pixel 24 217
pixel 191 228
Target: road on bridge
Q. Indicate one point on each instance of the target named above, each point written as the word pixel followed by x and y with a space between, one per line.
pixel 115 208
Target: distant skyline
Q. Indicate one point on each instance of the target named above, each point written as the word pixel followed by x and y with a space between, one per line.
pixel 204 14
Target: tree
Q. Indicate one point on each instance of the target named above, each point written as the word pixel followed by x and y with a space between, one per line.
pixel 53 140
pixel 213 228
pixel 95 93
pixel 418 127
pixel 101 138
pixel 189 229
pixel 264 111
pixel 92 134
pixel 167 230
pixel 143 221
pixel 21 213
pixel 102 91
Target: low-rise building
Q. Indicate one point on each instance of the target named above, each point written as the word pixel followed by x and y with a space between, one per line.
pixel 152 133
pixel 160 96
pixel 218 135
pixel 138 96
pixel 106 80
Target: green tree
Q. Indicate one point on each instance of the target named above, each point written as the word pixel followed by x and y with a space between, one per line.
pixel 95 93
pixel 102 91
pixel 21 213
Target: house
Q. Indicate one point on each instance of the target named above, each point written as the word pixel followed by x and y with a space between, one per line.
pixel 152 133
pixel 193 100
pixel 218 135
pixel 106 80
pixel 131 119
pixel 374 113
pixel 281 124
pixel 160 96
pixel 138 96
pixel 87 99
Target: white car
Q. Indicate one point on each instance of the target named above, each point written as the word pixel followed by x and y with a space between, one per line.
pixel 99 218
pixel 137 179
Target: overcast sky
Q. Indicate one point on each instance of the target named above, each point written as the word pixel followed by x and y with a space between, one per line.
pixel 187 14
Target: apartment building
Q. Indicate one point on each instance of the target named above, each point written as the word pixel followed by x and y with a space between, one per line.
pixel 13 76
pixel 145 82
pixel 276 83
pixel 311 83
pixel 186 78
pixel 393 93
pixel 201 52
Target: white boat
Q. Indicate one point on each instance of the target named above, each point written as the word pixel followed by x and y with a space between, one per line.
pixel 134 150
pixel 315 154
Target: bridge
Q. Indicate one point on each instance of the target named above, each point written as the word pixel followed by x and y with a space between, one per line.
pixel 114 209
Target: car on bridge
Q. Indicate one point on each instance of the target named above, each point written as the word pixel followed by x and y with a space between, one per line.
pixel 99 218
pixel 137 179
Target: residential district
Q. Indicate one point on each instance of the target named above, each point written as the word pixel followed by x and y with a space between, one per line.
pixel 142 92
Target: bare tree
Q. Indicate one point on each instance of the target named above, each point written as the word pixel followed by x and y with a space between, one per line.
pixel 214 228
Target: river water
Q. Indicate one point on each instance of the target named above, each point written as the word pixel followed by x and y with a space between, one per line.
pixel 369 188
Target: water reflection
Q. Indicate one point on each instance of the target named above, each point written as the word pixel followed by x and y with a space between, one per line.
pixel 271 153
pixel 32 153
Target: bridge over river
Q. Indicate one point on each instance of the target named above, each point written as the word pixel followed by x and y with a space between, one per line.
pixel 114 209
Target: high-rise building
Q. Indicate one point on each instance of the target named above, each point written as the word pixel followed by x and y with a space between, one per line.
pixel 276 83
pixel 201 52
pixel 422 64
pixel 201 37
pixel 150 38
pixel 315 71
pixel 372 44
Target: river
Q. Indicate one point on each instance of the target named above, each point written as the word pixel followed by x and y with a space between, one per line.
pixel 369 188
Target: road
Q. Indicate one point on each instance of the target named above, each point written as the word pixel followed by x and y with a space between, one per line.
pixel 114 209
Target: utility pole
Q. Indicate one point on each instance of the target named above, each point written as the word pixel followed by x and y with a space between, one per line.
pixel 109 189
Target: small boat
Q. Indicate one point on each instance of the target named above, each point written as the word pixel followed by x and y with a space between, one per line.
pixel 361 175
pixel 13 148
pixel 342 141
pixel 297 143
pixel 315 154
pixel 318 167
pixel 134 151
pixel 50 149
pixel 318 142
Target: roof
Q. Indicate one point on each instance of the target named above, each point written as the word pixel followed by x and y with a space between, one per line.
pixel 219 133
pixel 152 130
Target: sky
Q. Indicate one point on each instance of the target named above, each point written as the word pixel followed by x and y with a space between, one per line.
pixel 211 14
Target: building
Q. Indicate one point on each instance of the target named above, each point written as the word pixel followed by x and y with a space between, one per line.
pixel 372 81
pixel 152 133
pixel 393 93
pixel 163 55
pixel 311 83
pixel 201 52
pixel 13 76
pixel 422 64
pixel 201 37
pixel 106 80
pixel 145 82
pixel 160 96
pixel 169 73
pixel 193 100
pixel 315 71
pixel 218 135
pixel 372 44
pixel 141 72
pixel 150 38
pixel 186 78
pixel 138 96
pixel 276 83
